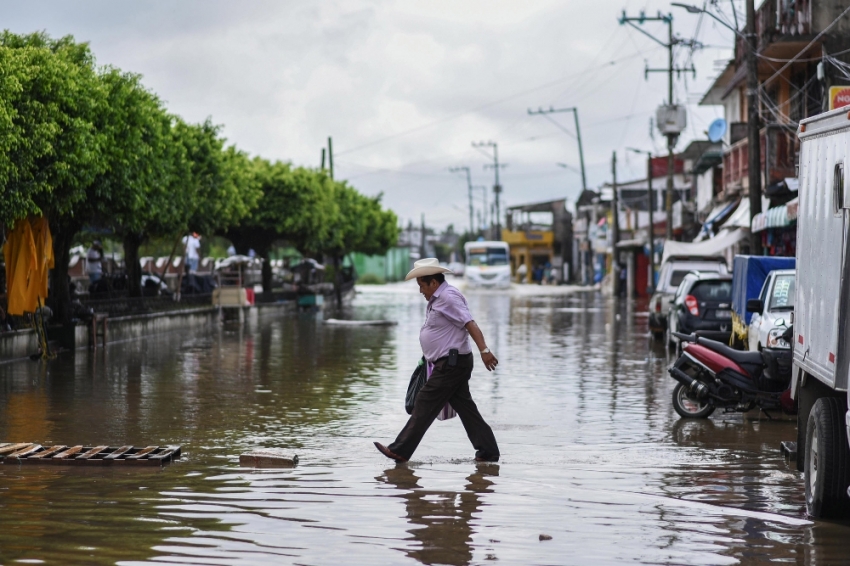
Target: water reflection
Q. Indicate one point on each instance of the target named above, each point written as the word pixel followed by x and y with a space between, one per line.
pixel 442 520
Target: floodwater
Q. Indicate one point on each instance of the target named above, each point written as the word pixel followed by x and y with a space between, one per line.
pixel 593 454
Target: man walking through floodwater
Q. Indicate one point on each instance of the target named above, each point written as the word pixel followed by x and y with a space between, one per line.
pixel 445 344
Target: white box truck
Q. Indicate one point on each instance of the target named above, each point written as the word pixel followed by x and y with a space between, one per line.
pixel 822 314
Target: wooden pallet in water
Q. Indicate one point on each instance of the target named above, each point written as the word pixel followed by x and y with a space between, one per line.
pixel 61 455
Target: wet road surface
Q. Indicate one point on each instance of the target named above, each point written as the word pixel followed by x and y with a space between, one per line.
pixel 593 454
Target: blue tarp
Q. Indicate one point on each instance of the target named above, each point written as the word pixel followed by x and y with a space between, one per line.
pixel 748 275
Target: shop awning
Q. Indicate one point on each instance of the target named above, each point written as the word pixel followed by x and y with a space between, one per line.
pixel 717 215
pixel 714 247
pixel 793 208
pixel 634 243
pixel 741 217
pixel 776 217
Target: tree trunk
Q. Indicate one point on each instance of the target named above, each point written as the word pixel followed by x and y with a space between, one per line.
pixel 267 271
pixel 132 242
pixel 59 297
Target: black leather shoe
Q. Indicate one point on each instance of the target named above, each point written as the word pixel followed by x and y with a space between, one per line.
pixel 389 453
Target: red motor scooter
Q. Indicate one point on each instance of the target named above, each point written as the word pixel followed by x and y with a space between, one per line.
pixel 712 375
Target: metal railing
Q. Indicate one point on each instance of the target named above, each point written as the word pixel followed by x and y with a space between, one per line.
pixel 122 306
pixel 779 148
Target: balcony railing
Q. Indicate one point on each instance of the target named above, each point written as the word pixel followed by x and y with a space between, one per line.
pixel 779 20
pixel 777 143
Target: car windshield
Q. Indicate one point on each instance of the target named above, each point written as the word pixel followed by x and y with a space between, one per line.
pixel 719 291
pixel 782 295
pixel 487 256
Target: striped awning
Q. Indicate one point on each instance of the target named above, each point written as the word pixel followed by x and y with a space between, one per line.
pixel 776 217
pixel 793 208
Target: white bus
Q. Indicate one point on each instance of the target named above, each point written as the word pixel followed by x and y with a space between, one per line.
pixel 487 265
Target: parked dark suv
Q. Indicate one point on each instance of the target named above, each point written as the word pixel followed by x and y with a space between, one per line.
pixel 702 304
pixel 672 272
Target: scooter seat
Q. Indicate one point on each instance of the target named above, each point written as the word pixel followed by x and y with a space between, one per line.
pixel 737 356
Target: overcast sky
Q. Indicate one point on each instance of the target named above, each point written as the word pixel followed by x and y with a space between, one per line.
pixel 405 86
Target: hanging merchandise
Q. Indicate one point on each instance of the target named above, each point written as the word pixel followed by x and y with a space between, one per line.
pixel 29 257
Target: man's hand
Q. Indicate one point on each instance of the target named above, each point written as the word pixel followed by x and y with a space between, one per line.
pixel 490 361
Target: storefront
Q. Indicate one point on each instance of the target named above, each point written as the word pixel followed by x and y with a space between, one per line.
pixel 778 229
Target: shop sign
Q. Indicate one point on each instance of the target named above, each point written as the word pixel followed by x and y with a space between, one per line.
pixel 839 96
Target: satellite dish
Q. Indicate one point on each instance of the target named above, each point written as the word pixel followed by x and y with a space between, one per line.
pixel 717 130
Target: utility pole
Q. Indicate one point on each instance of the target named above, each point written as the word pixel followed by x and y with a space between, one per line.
pixel 465 169
pixel 574 110
pixel 753 141
pixel 671 140
pixel 671 137
pixel 753 115
pixel 615 227
pixel 331 156
pixel 651 287
pixel 323 159
pixel 497 188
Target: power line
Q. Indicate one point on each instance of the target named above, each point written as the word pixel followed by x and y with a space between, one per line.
pixel 806 48
pixel 577 136
pixel 465 169
pixel 478 108
pixel 497 188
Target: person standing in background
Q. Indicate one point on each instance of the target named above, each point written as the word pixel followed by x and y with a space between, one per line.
pixel 193 247
pixel 94 261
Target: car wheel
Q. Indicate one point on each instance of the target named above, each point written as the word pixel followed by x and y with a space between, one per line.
pixel 827 463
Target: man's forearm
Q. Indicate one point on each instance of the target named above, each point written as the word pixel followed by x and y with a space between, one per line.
pixel 476 334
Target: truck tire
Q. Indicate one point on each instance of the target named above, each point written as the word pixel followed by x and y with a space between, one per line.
pixel 827 461
pixel 802 427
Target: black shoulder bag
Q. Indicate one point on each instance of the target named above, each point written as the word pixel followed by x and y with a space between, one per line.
pixel 417 380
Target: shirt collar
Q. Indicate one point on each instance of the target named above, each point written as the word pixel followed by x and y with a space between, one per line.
pixel 439 290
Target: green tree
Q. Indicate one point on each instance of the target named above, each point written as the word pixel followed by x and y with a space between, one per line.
pixel 191 183
pixel 295 207
pixel 55 149
pixel 359 225
pixel 140 194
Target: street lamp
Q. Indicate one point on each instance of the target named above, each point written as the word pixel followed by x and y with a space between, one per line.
pixel 651 208
pixel 697 10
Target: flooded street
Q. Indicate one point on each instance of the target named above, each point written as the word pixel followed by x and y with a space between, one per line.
pixel 593 454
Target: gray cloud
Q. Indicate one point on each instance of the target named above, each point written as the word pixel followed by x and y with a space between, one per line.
pixel 403 87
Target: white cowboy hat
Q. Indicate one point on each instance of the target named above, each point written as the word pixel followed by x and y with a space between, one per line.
pixel 427 266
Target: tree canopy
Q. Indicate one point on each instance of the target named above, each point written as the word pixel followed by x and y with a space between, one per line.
pixel 91 146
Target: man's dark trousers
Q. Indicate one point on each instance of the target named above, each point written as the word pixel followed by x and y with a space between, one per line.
pixel 447 384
